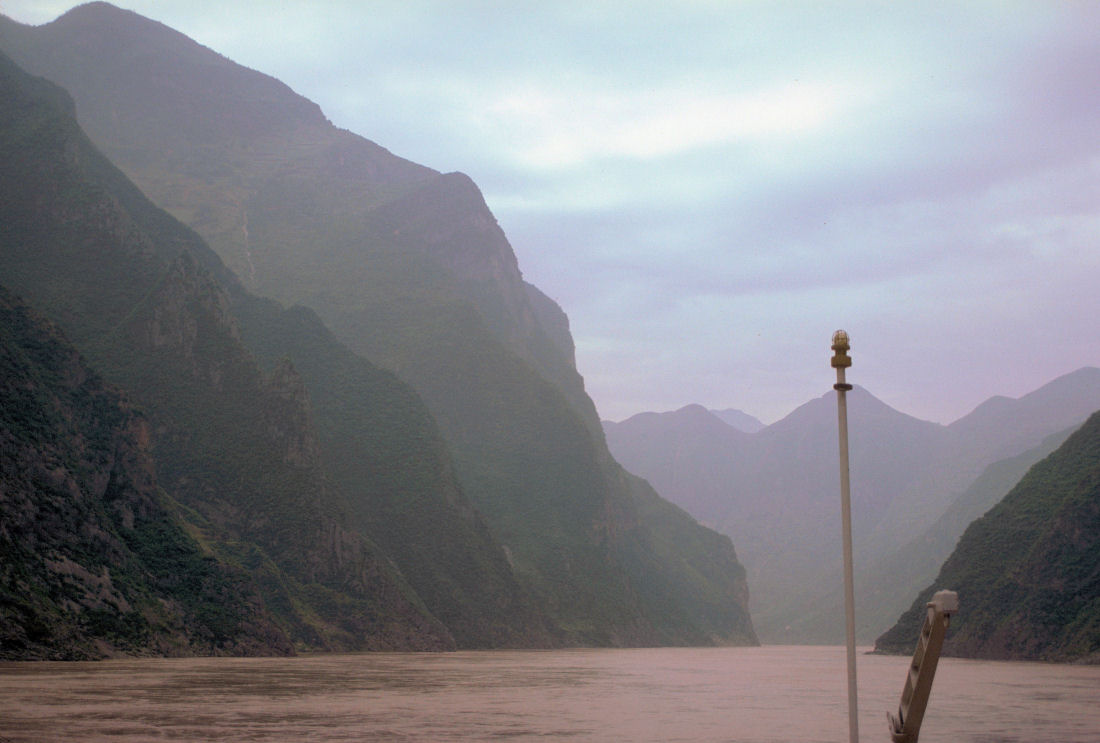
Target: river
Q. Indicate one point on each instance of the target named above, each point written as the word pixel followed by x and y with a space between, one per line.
pixel 742 695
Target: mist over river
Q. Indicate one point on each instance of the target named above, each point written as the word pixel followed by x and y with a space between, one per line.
pixel 742 695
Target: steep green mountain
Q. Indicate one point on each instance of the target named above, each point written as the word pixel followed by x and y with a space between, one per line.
pixel 1028 572
pixel 236 447
pixel 94 561
pixel 915 487
pixel 379 443
pixel 888 584
pixel 409 268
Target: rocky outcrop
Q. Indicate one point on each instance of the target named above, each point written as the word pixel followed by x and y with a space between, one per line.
pixel 288 417
pixel 94 564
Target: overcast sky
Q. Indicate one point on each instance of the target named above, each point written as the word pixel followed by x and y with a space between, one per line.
pixel 710 189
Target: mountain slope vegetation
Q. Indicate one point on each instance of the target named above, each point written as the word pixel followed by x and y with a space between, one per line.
pixel 1027 572
pixel 95 562
pixel 510 524
pixel 409 268
pixel 236 447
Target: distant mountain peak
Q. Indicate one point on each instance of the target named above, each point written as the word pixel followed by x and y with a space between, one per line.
pixel 692 409
pixel 691 421
pixel 1086 377
pixel 92 9
pixel 863 407
pixel 1061 400
pixel 739 419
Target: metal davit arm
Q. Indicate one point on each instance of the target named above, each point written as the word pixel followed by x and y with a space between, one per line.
pixel 905 726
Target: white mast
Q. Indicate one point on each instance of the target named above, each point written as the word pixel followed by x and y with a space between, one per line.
pixel 840 362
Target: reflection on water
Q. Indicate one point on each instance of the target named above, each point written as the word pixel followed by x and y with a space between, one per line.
pixel 743 695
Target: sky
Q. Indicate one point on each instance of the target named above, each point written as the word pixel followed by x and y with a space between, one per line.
pixel 710 189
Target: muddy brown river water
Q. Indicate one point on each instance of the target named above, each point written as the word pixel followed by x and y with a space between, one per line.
pixel 740 695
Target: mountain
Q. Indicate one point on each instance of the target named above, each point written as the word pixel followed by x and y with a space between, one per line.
pixel 915 484
pixel 379 444
pixel 888 584
pixel 774 492
pixel 95 562
pixel 740 420
pixel 149 305
pixel 1001 427
pixel 683 454
pixel 1027 572
pixel 409 269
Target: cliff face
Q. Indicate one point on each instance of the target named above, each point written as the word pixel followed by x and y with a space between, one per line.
pixel 235 448
pixel 94 564
pixel 408 267
pixel 1028 572
pixel 289 422
pixel 159 312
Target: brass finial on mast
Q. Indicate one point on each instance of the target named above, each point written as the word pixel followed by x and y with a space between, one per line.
pixel 841 360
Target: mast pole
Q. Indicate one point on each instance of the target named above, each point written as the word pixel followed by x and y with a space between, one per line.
pixel 840 362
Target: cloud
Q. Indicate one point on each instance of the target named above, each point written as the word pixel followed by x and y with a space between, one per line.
pixel 711 188
pixel 561 130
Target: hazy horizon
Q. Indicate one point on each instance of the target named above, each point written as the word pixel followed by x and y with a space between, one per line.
pixel 828 392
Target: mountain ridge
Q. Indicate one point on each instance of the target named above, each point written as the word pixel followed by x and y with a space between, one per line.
pixel 781 481
pixel 165 331
pixel 1028 571
pixel 437 299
